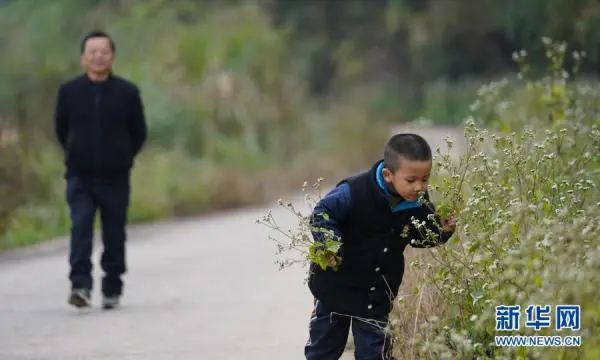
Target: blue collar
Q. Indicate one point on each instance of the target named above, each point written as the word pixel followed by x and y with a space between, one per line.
pixel 402 205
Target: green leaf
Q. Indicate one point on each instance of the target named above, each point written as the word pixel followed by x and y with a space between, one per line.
pixel 444 210
pixel 538 281
pixel 324 215
pixel 475 245
pixel 333 246
pixel 321 262
pixel 515 230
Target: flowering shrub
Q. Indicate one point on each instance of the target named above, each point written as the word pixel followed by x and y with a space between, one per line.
pixel 300 239
pixel 528 207
pixel 529 216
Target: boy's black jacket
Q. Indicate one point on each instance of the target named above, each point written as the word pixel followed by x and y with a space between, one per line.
pixel 372 265
pixel 100 126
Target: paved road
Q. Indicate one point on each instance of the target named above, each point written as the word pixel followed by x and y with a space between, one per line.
pixel 201 289
pixel 204 288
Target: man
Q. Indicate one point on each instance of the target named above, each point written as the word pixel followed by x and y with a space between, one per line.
pixel 100 125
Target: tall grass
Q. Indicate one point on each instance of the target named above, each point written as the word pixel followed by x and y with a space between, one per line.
pixel 529 203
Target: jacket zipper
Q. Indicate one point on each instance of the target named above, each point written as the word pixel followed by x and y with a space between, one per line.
pixel 97 128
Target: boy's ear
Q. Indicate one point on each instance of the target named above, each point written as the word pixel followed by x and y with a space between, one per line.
pixel 387 175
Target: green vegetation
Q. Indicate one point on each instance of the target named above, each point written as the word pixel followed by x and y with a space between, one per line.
pixel 248 98
pixel 529 205
pixel 231 123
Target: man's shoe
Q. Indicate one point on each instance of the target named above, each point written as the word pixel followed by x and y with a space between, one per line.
pixel 110 302
pixel 80 298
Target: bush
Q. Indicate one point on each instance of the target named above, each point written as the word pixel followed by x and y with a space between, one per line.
pixel 529 205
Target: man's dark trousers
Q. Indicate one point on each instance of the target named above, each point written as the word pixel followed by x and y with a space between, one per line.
pixel 110 198
pixel 328 335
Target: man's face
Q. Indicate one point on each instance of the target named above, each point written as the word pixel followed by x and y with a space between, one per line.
pixel 410 179
pixel 97 55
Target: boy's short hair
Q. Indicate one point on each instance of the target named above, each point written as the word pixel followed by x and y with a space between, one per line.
pixel 97 34
pixel 409 146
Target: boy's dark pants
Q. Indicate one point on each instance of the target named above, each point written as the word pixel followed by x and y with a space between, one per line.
pixel 111 198
pixel 328 335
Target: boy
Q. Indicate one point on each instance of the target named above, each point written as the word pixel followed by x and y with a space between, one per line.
pixel 371 213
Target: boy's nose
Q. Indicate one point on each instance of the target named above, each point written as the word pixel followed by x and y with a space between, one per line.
pixel 421 188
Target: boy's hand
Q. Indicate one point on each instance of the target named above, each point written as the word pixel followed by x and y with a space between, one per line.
pixel 332 261
pixel 449 224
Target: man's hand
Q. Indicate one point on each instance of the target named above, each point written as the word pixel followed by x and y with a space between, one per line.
pixel 449 224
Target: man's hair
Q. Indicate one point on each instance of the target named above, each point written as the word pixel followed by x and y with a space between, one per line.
pixel 97 34
pixel 408 146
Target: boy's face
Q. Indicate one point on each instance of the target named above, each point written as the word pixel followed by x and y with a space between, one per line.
pixel 410 178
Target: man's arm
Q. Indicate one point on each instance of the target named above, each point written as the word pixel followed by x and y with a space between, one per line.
pixel 138 128
pixel 431 234
pixel 330 212
pixel 61 121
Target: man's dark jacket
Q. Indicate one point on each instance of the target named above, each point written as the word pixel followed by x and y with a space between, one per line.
pixel 100 126
pixel 375 227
